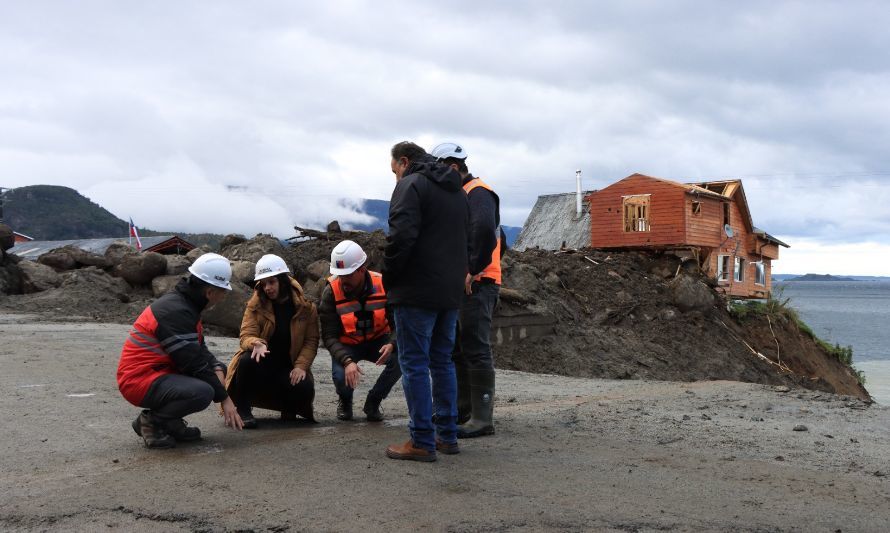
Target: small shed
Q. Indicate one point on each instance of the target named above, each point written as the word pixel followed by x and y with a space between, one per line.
pixel 21 237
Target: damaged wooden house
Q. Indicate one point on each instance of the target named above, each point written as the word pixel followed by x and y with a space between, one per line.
pixel 709 221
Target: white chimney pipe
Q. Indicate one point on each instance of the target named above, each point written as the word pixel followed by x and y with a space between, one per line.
pixel 578 193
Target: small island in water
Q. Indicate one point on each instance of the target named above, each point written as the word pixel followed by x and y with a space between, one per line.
pixel 819 277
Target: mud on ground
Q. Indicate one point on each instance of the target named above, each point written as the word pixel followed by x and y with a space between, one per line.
pixel 569 454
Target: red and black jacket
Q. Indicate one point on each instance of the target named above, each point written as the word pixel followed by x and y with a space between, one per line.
pixel 168 338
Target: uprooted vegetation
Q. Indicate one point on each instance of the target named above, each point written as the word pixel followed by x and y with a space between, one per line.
pixel 585 313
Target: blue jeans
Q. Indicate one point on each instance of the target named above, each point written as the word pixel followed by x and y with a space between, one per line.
pixel 426 338
pixel 368 351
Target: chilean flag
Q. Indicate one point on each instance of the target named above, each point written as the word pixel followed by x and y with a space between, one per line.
pixel 135 233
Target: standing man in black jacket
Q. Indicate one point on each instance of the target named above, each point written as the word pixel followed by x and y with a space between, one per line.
pixel 473 360
pixel 424 271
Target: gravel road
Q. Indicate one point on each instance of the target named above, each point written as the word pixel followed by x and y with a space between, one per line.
pixel 569 455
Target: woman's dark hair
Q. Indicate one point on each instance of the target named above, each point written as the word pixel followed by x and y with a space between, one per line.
pixel 283 286
pixel 198 284
pixel 407 149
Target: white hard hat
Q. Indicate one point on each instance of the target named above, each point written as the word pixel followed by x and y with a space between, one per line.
pixel 346 258
pixel 270 265
pixel 446 150
pixel 214 269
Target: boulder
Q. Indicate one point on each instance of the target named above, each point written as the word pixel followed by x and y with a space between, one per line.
pixel 197 252
pixel 38 277
pixel 164 284
pixel 96 282
pixel 243 271
pixel 60 260
pixel 177 265
pixel 689 294
pixel 228 313
pixel 7 237
pixel 231 240
pixel 524 277
pixel 117 251
pixel 10 275
pixel 84 258
pixel 334 227
pixel 253 249
pixel 140 269
pixel 320 269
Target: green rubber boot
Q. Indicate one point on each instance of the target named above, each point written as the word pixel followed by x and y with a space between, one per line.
pixel 482 398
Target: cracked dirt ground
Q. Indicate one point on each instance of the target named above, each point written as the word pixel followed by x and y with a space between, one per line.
pixel 569 455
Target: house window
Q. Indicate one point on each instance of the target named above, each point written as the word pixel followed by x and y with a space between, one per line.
pixel 739 269
pixel 722 268
pixel 726 214
pixel 696 207
pixel 759 273
pixel 636 212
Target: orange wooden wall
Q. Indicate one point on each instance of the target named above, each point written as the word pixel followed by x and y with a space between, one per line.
pixel 666 217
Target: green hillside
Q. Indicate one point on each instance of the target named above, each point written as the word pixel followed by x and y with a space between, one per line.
pixel 50 212
pixel 54 213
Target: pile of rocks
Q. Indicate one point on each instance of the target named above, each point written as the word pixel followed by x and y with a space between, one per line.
pixel 116 285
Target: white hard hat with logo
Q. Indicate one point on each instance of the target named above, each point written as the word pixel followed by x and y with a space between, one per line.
pixel 214 269
pixel 346 258
pixel 446 150
pixel 270 265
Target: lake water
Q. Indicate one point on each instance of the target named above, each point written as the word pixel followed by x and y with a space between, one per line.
pixel 849 313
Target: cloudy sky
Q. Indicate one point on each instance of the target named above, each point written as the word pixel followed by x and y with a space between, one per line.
pixel 252 117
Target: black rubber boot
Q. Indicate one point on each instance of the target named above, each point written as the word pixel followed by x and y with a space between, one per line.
pixel 344 409
pixel 482 396
pixel 152 432
pixel 372 409
pixel 464 404
pixel 248 421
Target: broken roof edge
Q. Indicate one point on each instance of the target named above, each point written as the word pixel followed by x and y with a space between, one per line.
pixel 766 236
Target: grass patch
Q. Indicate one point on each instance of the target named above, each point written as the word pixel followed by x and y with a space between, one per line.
pixel 779 310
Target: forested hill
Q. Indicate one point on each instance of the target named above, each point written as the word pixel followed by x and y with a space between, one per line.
pixel 54 213
pixel 51 212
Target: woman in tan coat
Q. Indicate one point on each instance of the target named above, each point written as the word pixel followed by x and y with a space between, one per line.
pixel 279 341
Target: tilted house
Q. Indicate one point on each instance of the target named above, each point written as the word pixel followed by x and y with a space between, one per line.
pixel 709 221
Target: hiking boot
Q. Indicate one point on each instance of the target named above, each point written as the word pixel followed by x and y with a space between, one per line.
pixel 482 396
pixel 408 452
pixel 247 419
pixel 152 432
pixel 372 410
pixel 180 430
pixel 344 409
pixel 447 449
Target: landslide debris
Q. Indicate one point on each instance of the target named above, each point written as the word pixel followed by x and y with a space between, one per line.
pixel 617 315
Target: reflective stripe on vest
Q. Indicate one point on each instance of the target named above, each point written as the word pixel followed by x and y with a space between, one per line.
pixel 357 331
pixel 493 270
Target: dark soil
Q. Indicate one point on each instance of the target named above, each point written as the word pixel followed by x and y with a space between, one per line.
pixel 615 317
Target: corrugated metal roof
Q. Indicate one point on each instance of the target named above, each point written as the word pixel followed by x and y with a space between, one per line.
pixel 553 222
pixel 34 249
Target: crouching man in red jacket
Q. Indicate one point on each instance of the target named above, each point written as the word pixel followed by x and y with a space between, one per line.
pixel 165 366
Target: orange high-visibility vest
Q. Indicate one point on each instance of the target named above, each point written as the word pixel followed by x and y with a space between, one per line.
pixel 493 270
pixel 355 332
